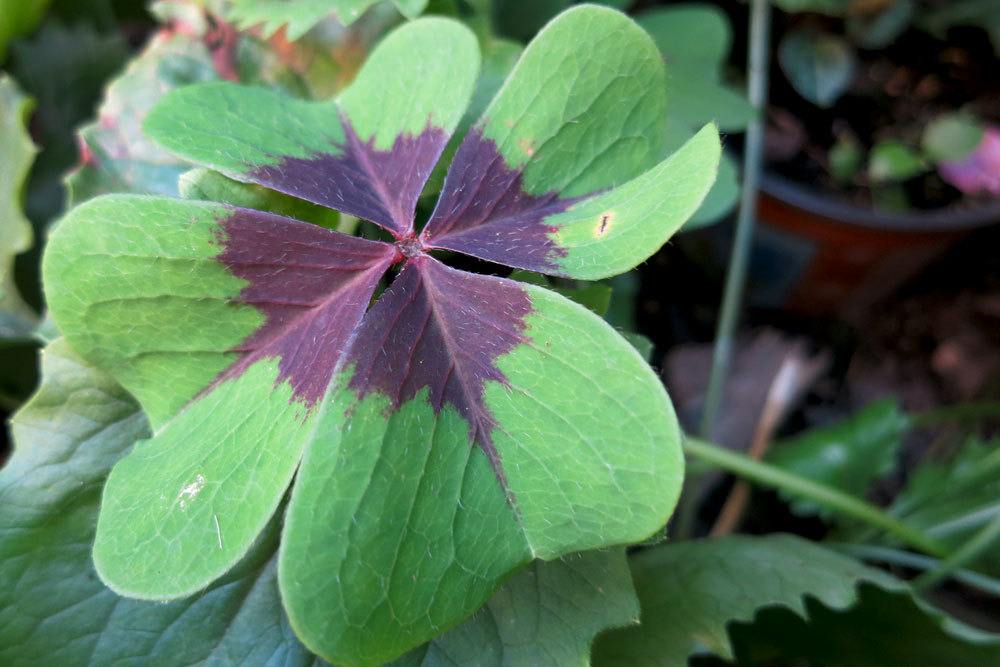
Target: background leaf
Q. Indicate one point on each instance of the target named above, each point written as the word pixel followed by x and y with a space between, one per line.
pixel 691 591
pixel 299 16
pixel 819 65
pixel 849 455
pixel 119 157
pixel 17 153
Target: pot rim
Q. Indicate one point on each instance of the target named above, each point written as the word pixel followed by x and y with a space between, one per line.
pixel 939 220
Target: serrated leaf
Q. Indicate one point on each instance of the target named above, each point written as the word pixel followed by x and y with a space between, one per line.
pixel 54 609
pixel 17 153
pixel 690 592
pixel 883 628
pixel 951 500
pixel 819 65
pixel 848 455
pixel 298 17
pixel 464 425
pixel 118 156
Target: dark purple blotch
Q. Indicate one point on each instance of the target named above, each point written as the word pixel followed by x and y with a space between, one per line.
pixel 356 178
pixel 443 329
pixel 313 286
pixel 485 212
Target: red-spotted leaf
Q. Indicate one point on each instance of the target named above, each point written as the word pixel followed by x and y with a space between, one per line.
pixel 449 433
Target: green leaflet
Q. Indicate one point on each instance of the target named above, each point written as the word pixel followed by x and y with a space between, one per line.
pixel 612 232
pixel 691 592
pixel 116 262
pixel 237 129
pixel 404 581
pixel 16 155
pixel 581 110
pixel 55 610
pixel 77 425
pixel 300 16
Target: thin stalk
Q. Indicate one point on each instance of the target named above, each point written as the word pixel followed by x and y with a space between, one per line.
pixel 758 54
pixel 914 561
pixel 838 501
pixel 985 538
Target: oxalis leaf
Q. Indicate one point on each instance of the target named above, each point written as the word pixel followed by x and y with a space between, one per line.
pixel 690 592
pixel 16 155
pixel 55 610
pixel 460 427
pixel 298 17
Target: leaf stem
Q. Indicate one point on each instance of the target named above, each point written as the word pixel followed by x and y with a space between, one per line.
pixel 984 538
pixel 914 561
pixel 757 57
pixel 838 501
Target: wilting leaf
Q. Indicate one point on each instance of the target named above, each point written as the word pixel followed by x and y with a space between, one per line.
pixel 298 17
pixel 462 426
pixel 848 455
pixel 117 155
pixel 690 593
pixel 16 155
pixel 819 65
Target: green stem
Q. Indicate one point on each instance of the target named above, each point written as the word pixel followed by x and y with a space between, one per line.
pixel 838 501
pixel 985 538
pixel 757 57
pixel 916 562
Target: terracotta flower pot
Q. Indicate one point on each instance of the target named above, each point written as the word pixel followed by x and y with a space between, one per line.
pixel 824 257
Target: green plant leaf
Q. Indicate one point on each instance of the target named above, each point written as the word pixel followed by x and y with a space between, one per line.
pixel 883 628
pixel 878 29
pixel 54 609
pixel 690 592
pixel 819 65
pixel 695 41
pixel 379 129
pixel 68 437
pixel 546 615
pixel 952 136
pixel 721 198
pixel 848 455
pixel 951 500
pixel 17 18
pixel 17 152
pixel 298 17
pixel 117 155
pixel 210 185
pixel 892 161
pixel 461 426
